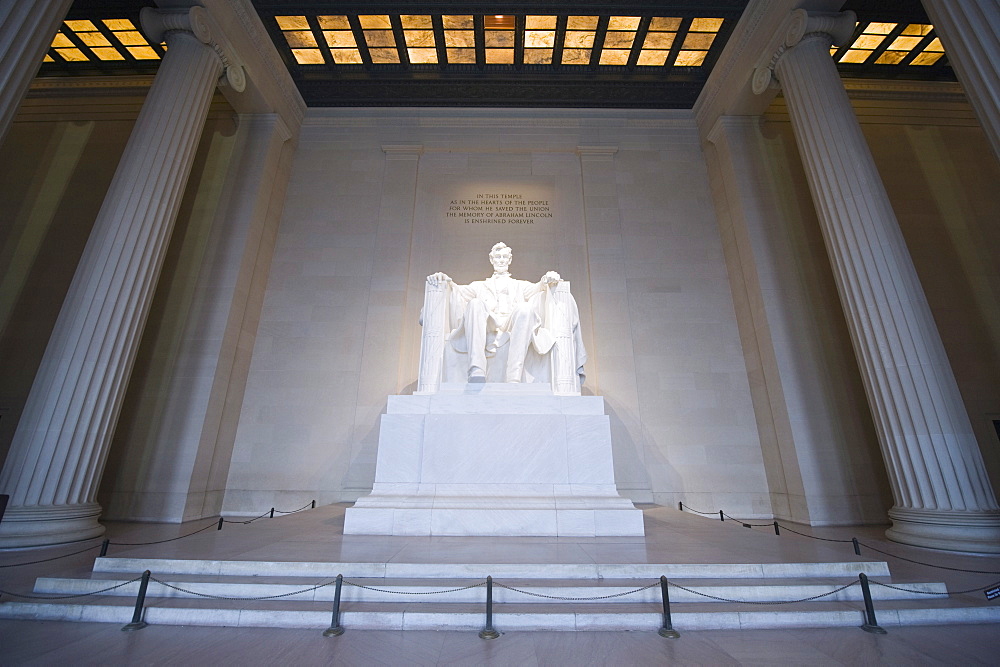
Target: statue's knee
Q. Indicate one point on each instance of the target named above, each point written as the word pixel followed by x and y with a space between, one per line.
pixel 476 306
pixel 522 312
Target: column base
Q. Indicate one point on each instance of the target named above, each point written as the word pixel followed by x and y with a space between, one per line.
pixel 44 525
pixel 953 530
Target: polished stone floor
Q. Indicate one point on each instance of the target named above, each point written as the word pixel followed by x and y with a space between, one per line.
pixel 671 537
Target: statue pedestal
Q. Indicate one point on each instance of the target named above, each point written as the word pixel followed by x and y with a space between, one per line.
pixel 494 459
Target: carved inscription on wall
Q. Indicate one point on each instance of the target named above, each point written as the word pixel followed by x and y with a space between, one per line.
pixel 499 208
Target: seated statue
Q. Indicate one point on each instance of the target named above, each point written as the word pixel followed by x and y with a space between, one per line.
pixel 501 330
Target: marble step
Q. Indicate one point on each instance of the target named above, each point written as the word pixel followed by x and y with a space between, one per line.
pixel 592 571
pixel 392 591
pixel 506 618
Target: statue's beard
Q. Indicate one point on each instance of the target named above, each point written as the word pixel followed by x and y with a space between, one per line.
pixel 498 272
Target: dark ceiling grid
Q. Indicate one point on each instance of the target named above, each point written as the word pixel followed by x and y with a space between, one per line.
pixel 519 84
pixel 640 38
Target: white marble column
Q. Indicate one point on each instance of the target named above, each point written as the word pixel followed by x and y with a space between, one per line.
pixel 26 31
pixel 970 32
pixel 942 495
pixel 57 456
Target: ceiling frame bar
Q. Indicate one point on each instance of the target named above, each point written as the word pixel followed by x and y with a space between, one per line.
pixel 675 48
pixel 637 43
pixel 317 32
pixel 401 46
pixel 520 22
pixel 359 38
pixel 600 34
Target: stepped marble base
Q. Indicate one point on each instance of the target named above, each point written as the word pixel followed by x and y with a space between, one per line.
pixel 494 459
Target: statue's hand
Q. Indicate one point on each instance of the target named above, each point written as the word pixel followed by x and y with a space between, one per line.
pixel 551 278
pixel 438 278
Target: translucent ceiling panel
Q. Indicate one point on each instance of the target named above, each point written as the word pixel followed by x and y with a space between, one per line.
pixel 619 39
pixel 659 40
pixel 301 39
pixel 381 42
pixel 698 41
pixel 418 31
pixel 340 39
pixel 459 38
pixel 899 48
pixel 539 38
pixel 864 46
pixel 579 42
pixel 499 39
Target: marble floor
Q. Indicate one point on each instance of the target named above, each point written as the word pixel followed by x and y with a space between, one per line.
pixel 672 537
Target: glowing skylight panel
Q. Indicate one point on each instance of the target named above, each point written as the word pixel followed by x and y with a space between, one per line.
pixel 659 40
pixel 579 42
pixel 894 44
pixel 418 31
pixel 459 38
pixel 339 39
pixel 539 39
pixel 698 41
pixel 377 29
pixel 300 38
pixel 498 38
pixel 106 40
pixel 619 39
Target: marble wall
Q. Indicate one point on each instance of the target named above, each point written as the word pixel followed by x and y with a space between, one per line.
pixel 631 226
pixel 285 317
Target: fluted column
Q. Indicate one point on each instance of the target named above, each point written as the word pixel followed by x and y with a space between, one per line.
pixel 26 31
pixel 58 453
pixel 970 32
pixel 942 495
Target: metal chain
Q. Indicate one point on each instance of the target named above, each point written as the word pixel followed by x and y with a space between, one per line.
pixel 917 562
pixel 248 521
pixel 46 560
pixel 179 537
pixel 691 509
pixel 907 590
pixel 382 590
pixel 306 506
pixel 66 597
pixel 814 537
pixel 721 599
pixel 755 525
pixel 227 597
pixel 556 597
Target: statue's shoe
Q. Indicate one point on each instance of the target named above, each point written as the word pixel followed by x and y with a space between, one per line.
pixel 477 374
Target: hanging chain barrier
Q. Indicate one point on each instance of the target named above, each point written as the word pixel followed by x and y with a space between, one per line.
pixel 67 597
pixel 908 590
pixel 233 597
pixel 46 560
pixel 383 590
pixel 106 543
pixel 579 599
pixel 764 602
pixel 855 541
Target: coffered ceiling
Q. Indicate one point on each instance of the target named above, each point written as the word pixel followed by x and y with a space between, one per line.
pixel 625 54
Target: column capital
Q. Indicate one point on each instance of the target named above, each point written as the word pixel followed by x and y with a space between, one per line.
pixel 159 24
pixel 836 27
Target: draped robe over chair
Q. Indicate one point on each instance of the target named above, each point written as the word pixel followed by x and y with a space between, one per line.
pixel 555 353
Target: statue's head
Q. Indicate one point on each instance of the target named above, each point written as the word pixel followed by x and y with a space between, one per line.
pixel 500 257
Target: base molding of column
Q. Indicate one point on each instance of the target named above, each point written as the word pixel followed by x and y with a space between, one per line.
pixel 45 525
pixel 954 530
